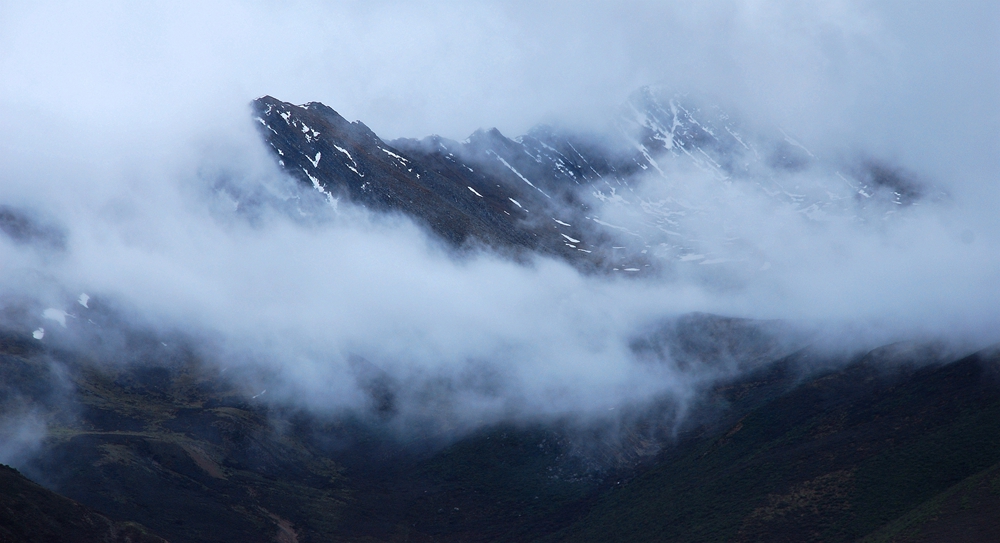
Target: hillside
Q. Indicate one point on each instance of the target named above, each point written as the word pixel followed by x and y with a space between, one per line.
pixel 32 514
pixel 894 444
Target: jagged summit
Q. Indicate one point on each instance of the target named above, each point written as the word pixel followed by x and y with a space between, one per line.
pixel 550 191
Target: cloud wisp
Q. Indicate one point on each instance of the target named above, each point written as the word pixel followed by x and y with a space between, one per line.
pixel 123 122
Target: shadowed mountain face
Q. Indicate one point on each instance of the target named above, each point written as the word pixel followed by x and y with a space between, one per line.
pixel 468 194
pixel 32 514
pixel 864 451
pixel 666 167
pixel 21 227
pixel 898 444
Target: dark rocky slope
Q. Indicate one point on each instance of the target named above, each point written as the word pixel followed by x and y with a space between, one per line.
pixel 897 443
pixel 30 513
pixel 548 192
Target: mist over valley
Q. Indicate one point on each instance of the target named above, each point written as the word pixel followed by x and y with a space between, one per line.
pixel 739 284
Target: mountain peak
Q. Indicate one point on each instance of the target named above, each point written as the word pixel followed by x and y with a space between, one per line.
pixel 546 191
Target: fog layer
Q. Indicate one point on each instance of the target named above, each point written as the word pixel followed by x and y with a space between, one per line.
pixel 121 122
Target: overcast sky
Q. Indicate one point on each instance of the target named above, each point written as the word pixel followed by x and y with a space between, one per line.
pixel 877 70
pixel 114 115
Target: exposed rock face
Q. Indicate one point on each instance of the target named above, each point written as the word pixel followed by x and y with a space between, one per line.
pixel 548 191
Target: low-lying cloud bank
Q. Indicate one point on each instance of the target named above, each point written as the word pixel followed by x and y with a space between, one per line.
pixel 119 140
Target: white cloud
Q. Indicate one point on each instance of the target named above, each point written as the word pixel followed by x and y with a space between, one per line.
pixel 119 117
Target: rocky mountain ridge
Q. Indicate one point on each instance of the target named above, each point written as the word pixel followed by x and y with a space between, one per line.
pixel 549 191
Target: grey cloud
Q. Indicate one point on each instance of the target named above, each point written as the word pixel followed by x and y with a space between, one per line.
pixel 128 126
